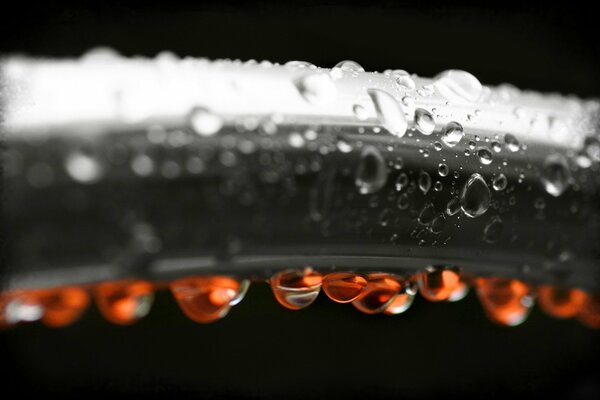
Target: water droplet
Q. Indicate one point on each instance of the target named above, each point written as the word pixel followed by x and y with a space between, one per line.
pixel 205 122
pixel 512 143
pixel 460 292
pixel 124 302
pixel 142 165
pixel 475 197
pixel 424 121
pixel 296 140
pixel 437 146
pixel 403 300
pixel 589 315
pixel 555 174
pixel 453 206
pixel 485 156
pixel 402 79
pixel 378 294
pixel 438 223
pixel 317 88
pixel 205 299
pixel 443 169
pixel 300 64
pixel 497 147
pixel 63 306
pixel 343 146
pixel 560 302
pixel 438 283
pixel 459 86
pixel 427 214
pixel 401 181
pixel 389 112
pixel 493 230
pixel 403 201
pixel 295 289
pixel 408 101
pixel 343 287
pixel 371 173
pixel 499 183
pixel 453 133
pixel 424 181
pixel 241 293
pixel 505 301
pixel 360 112
pixel 349 66
pixel 83 167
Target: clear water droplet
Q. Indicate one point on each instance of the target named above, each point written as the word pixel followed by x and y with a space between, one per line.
pixel 475 196
pixel 459 86
pixel 443 169
pixel 349 66
pixel 493 230
pixel 499 183
pixel 452 134
pixel 497 147
pixel 296 289
pixel 317 88
pixel 485 156
pixel 424 121
pixel 389 112
pixel 371 173
pixel 424 181
pixel 555 174
pixel 512 143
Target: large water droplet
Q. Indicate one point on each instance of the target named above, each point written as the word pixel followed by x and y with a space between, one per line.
pixel 205 299
pixel 317 89
pixel 349 66
pixel 475 197
pixel 505 301
pixel 459 86
pixel 343 287
pixel 452 134
pixel 63 306
pixel 124 302
pixel 560 302
pixel 389 112
pixel 438 283
pixel 296 289
pixel 371 173
pixel 378 294
pixel 424 121
pixel 555 174
pixel 403 300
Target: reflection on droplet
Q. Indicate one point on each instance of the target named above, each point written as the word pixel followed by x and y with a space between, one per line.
pixel 371 173
pixel 205 299
pixel 443 169
pixel 63 306
pixel 124 302
pixel 475 197
pixel 378 294
pixel 360 112
pixel 453 206
pixel 349 66
pixel 452 134
pixel 205 122
pixel 505 301
pixel 317 88
pixel 403 300
pixel 485 156
pixel 83 167
pixel 460 292
pixel 555 174
pixel 427 214
pixel 560 302
pixel 343 287
pixel 459 86
pixel 296 289
pixel 493 230
pixel 424 181
pixel 424 121
pixel 438 283
pixel 241 293
pixel 499 183
pixel 512 143
pixel 389 112
pixel 402 79
pixel 401 181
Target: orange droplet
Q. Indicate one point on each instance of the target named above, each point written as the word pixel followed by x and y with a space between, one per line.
pixel 379 293
pixel 205 298
pixel 296 289
pixel 506 301
pixel 438 283
pixel 560 302
pixel 124 302
pixel 63 306
pixel 460 292
pixel 589 315
pixel 343 287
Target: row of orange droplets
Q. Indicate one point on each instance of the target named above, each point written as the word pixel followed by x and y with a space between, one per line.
pixel 208 298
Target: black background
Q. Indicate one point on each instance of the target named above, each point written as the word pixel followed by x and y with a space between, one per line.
pixel 327 350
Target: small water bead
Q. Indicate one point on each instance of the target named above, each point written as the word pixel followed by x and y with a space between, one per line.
pixel 460 292
pixel 408 101
pixel 402 79
pixel 452 134
pixel 317 88
pixel 205 122
pixel 343 146
pixel 389 112
pixel 475 196
pixel 124 302
pixel 437 146
pixel 424 181
pixel 424 121
pixel 296 289
pixel 300 64
pixel 467 152
pixel 403 300
pixel 453 206
pixel 499 182
pixel 497 147
pixel 438 224
pixel 349 66
pixel 63 306
pixel 505 301
pixel 459 86
pixel 493 230
pixel 378 294
pixel 443 169
pixel 83 167
pixel 371 173
pixel 205 299
pixel 560 302
pixel 427 214
pixel 485 156
pixel 472 145
pixel 511 142
pixel 343 287
pixel 438 186
pixel 438 283
pixel 403 201
pixel 401 181
pixel 555 174
pixel 360 112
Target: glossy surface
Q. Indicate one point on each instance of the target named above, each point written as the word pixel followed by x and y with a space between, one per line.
pixel 296 289
pixel 124 302
pixel 438 283
pixel 343 287
pixel 379 293
pixel 505 301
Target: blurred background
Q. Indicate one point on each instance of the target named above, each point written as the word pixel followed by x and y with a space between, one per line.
pixel 262 350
